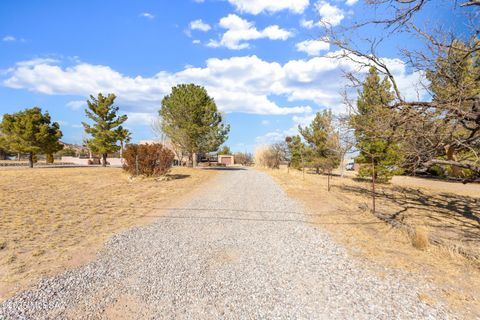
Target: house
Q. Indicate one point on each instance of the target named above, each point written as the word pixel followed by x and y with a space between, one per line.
pixel 226 159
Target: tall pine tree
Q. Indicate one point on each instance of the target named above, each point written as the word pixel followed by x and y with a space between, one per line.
pixel 297 151
pixel 372 122
pixel 106 130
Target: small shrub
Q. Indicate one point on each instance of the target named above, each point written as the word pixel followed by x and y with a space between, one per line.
pixel 269 156
pixel 245 159
pixel 67 152
pixel 152 159
pixel 420 238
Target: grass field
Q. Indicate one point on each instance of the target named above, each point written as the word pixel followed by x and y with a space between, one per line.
pixel 54 219
pixel 446 211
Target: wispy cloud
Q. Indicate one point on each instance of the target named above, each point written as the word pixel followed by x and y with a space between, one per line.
pixel 312 47
pixel 350 2
pixel 76 104
pixel 200 25
pixel 147 15
pixel 9 38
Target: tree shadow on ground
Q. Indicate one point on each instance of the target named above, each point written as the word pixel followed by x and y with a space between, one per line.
pixel 450 216
pixel 217 214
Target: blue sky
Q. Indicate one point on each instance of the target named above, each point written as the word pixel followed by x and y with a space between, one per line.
pixel 260 59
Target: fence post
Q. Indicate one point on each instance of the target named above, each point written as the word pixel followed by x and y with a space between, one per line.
pixel 373 186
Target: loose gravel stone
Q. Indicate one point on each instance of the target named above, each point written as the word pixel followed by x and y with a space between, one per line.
pixel 241 249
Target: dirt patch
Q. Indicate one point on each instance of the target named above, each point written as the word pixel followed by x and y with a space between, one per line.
pixel 58 218
pixel 446 211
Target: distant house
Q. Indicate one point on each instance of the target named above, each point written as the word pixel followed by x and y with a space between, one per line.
pixel 210 158
pixel 226 159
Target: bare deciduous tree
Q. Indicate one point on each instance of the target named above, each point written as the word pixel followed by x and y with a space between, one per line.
pixel 442 127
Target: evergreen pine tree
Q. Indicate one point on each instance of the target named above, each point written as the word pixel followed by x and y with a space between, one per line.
pixel 31 132
pixel 323 142
pixel 224 150
pixel 379 152
pixel 106 131
pixel 297 151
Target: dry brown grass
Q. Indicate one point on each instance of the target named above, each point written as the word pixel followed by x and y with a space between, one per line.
pixel 53 219
pixel 446 211
pixel 420 238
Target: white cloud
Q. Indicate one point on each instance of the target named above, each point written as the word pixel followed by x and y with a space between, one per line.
pixel 280 135
pixel 142 118
pixel 147 15
pixel 258 6
pixel 303 120
pixel 239 84
pixel 9 38
pixel 271 137
pixel 312 47
pixel 240 30
pixel 76 104
pixel 37 61
pixel 329 14
pixel 200 25
pixel 350 2
pixel 265 122
pixel 196 41
pixel 309 24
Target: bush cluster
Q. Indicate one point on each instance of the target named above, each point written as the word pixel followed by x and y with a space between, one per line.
pixel 245 159
pixel 269 156
pixel 147 159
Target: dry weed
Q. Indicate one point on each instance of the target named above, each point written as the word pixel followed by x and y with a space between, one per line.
pixel 420 238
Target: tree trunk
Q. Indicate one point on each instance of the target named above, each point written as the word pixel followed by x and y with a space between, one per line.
pixel 342 165
pixel 30 159
pixel 373 187
pixel 104 159
pixel 317 170
pixel 303 168
pixel 49 158
pixel 450 151
pixel 194 159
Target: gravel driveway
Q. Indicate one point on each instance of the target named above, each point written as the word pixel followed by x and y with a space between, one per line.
pixel 241 250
